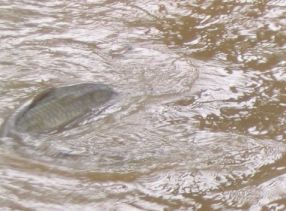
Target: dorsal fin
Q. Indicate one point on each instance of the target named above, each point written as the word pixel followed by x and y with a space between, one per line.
pixel 41 96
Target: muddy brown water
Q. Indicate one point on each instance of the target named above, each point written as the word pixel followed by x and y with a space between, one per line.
pixel 200 121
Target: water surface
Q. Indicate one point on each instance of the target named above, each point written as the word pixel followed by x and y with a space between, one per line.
pixel 200 121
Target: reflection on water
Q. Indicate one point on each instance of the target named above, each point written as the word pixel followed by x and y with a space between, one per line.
pixel 199 123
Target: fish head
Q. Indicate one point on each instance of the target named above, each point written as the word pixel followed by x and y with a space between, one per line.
pixel 102 94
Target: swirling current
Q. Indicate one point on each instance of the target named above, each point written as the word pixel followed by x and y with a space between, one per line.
pixel 200 120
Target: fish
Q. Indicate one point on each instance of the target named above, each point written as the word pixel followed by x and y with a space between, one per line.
pixel 56 107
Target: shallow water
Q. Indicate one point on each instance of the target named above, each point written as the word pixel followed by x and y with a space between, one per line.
pixel 199 123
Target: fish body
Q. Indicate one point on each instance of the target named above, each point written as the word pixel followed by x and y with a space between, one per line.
pixel 56 107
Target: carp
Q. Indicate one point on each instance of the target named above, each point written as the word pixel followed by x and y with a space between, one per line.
pixel 56 107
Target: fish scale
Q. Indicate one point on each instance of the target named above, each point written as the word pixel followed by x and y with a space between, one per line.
pixel 56 107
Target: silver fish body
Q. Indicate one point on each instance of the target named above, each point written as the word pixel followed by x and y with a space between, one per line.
pixel 56 107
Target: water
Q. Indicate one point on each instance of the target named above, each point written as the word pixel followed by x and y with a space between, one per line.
pixel 200 121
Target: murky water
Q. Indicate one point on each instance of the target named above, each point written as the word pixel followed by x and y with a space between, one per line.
pixel 200 120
